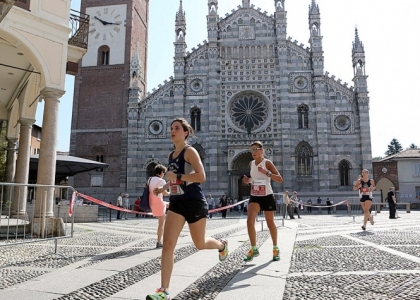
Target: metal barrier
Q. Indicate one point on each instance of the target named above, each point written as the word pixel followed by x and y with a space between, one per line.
pixel 32 213
pixel 104 214
pixel 279 214
pixel 354 205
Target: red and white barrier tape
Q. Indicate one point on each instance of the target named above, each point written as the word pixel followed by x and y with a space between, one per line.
pixel 102 203
pixel 339 203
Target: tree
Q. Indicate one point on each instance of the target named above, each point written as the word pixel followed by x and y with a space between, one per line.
pixel 413 146
pixel 3 153
pixel 394 147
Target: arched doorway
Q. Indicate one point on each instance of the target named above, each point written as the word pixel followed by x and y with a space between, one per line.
pixel 240 167
pixel 150 169
pixel 383 186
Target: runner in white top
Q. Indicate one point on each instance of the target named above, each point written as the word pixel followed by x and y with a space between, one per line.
pixel 262 198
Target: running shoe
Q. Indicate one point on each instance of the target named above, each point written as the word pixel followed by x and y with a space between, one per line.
pixel 276 254
pixel 159 295
pixel 363 227
pixel 251 254
pixel 224 253
pixel 371 220
pixel 159 245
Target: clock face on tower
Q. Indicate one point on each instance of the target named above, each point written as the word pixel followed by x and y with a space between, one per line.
pixel 106 31
pixel 106 24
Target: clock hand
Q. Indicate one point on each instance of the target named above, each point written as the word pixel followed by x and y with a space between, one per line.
pixel 111 23
pixel 103 22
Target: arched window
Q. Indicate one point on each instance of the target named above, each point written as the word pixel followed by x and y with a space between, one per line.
pixel 196 118
pixel 100 158
pixel 344 168
pixel 200 150
pixel 304 156
pixel 150 170
pixel 103 56
pixel 303 116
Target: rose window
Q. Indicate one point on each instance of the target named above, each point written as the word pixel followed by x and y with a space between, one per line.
pixel 342 122
pixel 248 112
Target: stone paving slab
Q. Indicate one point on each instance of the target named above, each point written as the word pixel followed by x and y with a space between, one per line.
pixel 65 282
pixel 322 257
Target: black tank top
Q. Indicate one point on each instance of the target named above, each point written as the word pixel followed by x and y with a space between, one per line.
pixel 365 189
pixel 182 190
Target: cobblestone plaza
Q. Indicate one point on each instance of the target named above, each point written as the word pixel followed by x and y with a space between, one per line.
pixel 322 257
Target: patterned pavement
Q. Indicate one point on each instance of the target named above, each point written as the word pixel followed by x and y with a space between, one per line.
pixel 323 257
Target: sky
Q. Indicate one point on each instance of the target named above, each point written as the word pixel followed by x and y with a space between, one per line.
pixel 388 30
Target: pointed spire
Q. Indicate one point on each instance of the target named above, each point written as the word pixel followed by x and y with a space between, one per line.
pixel 313 8
pixel 180 6
pixel 357 44
pixel 180 15
pixel 245 3
pixel 135 68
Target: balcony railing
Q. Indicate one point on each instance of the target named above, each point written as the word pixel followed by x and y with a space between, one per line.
pixel 79 24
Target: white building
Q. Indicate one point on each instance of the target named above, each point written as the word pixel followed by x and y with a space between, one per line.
pixel 40 42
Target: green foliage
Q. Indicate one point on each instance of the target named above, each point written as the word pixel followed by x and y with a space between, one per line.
pixel 3 153
pixel 394 147
pixel 413 146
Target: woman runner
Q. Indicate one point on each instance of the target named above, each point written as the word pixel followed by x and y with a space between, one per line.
pixel 262 198
pixel 365 186
pixel 186 204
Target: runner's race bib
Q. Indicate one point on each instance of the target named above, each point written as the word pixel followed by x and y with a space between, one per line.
pixel 175 187
pixel 365 191
pixel 258 188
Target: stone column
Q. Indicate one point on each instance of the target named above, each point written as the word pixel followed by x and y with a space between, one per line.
pixel 10 166
pixel 22 169
pixel 47 154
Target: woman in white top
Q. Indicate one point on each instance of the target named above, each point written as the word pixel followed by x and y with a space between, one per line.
pixel 262 198
pixel 156 202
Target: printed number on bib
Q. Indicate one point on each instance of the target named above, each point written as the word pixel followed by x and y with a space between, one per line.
pixel 258 188
pixel 175 186
pixel 365 190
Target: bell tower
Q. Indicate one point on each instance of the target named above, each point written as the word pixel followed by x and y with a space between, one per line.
pixel 113 67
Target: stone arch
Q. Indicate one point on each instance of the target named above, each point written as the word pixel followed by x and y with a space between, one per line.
pixel 195 118
pixel 344 170
pixel 103 55
pixel 95 150
pixel 304 159
pixel 239 167
pixel 240 163
pixel 200 150
pixel 264 51
pixel 303 116
pixel 383 184
pixel 149 167
pixel 32 54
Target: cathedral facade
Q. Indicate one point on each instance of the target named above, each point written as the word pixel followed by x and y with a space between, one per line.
pixel 249 81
